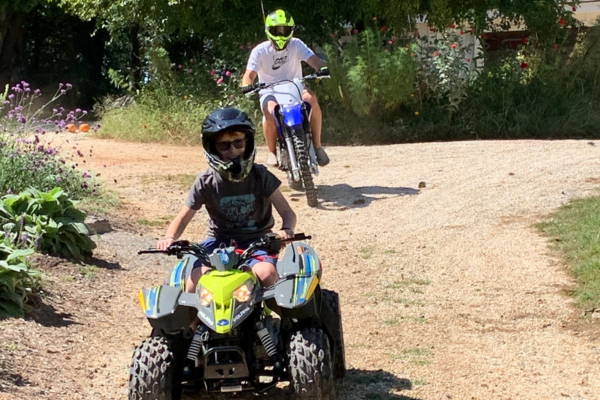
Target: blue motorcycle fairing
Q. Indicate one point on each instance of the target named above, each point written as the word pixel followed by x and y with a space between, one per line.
pixel 291 115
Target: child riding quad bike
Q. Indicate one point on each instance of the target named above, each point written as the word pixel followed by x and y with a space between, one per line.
pixel 250 338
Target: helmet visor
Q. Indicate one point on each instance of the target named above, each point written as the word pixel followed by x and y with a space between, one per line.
pixel 284 31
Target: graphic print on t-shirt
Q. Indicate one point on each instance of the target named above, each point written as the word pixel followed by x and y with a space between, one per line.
pixel 239 208
pixel 279 60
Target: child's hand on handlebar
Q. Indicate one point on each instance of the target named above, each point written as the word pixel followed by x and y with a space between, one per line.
pixel 164 243
pixel 285 234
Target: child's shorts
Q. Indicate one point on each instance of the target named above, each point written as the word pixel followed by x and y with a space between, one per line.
pixel 258 255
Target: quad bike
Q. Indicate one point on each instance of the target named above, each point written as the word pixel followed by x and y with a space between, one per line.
pixel 296 153
pixel 250 338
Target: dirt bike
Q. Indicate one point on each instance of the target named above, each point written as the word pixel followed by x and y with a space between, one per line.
pixel 250 338
pixel 296 153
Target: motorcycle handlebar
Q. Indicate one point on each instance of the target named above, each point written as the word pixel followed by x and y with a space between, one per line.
pixel 252 89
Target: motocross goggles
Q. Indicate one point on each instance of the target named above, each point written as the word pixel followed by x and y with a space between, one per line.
pixel 284 31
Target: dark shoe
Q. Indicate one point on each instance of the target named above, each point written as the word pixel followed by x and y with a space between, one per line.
pixel 322 157
pixel 296 185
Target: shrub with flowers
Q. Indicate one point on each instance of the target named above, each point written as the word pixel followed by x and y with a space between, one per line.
pixel 443 73
pixel 28 157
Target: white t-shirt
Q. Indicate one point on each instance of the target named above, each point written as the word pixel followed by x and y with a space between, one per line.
pixel 273 66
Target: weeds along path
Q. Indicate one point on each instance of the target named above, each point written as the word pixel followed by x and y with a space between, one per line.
pixel 447 290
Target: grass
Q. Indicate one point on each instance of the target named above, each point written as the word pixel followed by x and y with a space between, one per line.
pixel 88 271
pixel 574 232
pixel 408 282
pixel 103 203
pixel 161 221
pixel 397 320
pixel 418 356
pixel 366 252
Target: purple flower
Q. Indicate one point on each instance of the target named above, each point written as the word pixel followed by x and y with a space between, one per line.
pixel 78 110
pixel 25 84
pixel 9 191
pixel 190 70
pixel 24 237
pixel 69 86
pixel 84 112
pixel 37 92
pixel 22 119
pixel 11 96
pixel 58 179
pixel 63 91
pixel 86 175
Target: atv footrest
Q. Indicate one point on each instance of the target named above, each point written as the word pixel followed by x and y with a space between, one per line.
pixel 226 362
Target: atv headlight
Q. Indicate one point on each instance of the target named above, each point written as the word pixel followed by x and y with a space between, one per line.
pixel 205 297
pixel 244 292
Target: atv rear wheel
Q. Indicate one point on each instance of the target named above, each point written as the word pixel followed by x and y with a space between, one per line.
pixel 331 300
pixel 153 374
pixel 310 365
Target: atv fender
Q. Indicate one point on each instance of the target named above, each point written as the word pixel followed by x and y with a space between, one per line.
pixel 181 271
pixel 300 273
pixel 161 306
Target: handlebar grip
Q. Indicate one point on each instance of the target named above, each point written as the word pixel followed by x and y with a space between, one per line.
pixel 151 251
pixel 248 89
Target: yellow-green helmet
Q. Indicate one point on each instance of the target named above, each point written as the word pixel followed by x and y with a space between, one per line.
pixel 279 26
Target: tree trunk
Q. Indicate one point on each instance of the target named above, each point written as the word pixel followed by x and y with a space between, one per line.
pixel 136 61
pixel 11 30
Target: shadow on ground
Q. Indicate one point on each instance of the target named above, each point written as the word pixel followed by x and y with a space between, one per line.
pixel 46 315
pixel 344 196
pixel 104 264
pixel 357 385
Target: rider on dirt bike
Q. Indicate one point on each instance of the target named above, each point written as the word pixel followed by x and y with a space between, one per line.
pixel 276 59
pixel 237 193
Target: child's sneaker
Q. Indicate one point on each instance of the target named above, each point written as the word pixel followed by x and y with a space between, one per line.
pixel 272 160
pixel 322 157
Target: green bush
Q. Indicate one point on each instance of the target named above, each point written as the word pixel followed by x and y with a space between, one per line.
pixel 369 77
pixel 17 280
pixel 47 221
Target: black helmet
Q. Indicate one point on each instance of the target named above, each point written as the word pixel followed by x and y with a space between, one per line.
pixel 225 120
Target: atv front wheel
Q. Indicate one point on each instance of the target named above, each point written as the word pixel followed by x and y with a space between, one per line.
pixel 310 365
pixel 152 375
pixel 331 300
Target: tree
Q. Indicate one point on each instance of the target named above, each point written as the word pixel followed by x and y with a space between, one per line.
pixel 12 16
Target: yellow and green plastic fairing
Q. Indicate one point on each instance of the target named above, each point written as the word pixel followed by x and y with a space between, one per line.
pixel 226 310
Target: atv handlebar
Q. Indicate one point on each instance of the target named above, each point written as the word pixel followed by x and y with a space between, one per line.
pixel 271 243
pixel 249 90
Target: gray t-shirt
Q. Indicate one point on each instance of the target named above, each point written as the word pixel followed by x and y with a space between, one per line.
pixel 237 210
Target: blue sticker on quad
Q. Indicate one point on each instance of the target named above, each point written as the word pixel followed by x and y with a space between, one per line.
pixel 223 322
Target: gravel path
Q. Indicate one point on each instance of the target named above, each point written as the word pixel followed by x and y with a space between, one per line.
pixel 447 289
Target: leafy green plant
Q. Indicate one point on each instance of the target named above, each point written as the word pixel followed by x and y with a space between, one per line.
pixel 371 74
pixel 17 280
pixel 47 221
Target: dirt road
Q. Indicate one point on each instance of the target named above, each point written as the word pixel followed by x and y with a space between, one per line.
pixel 447 289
